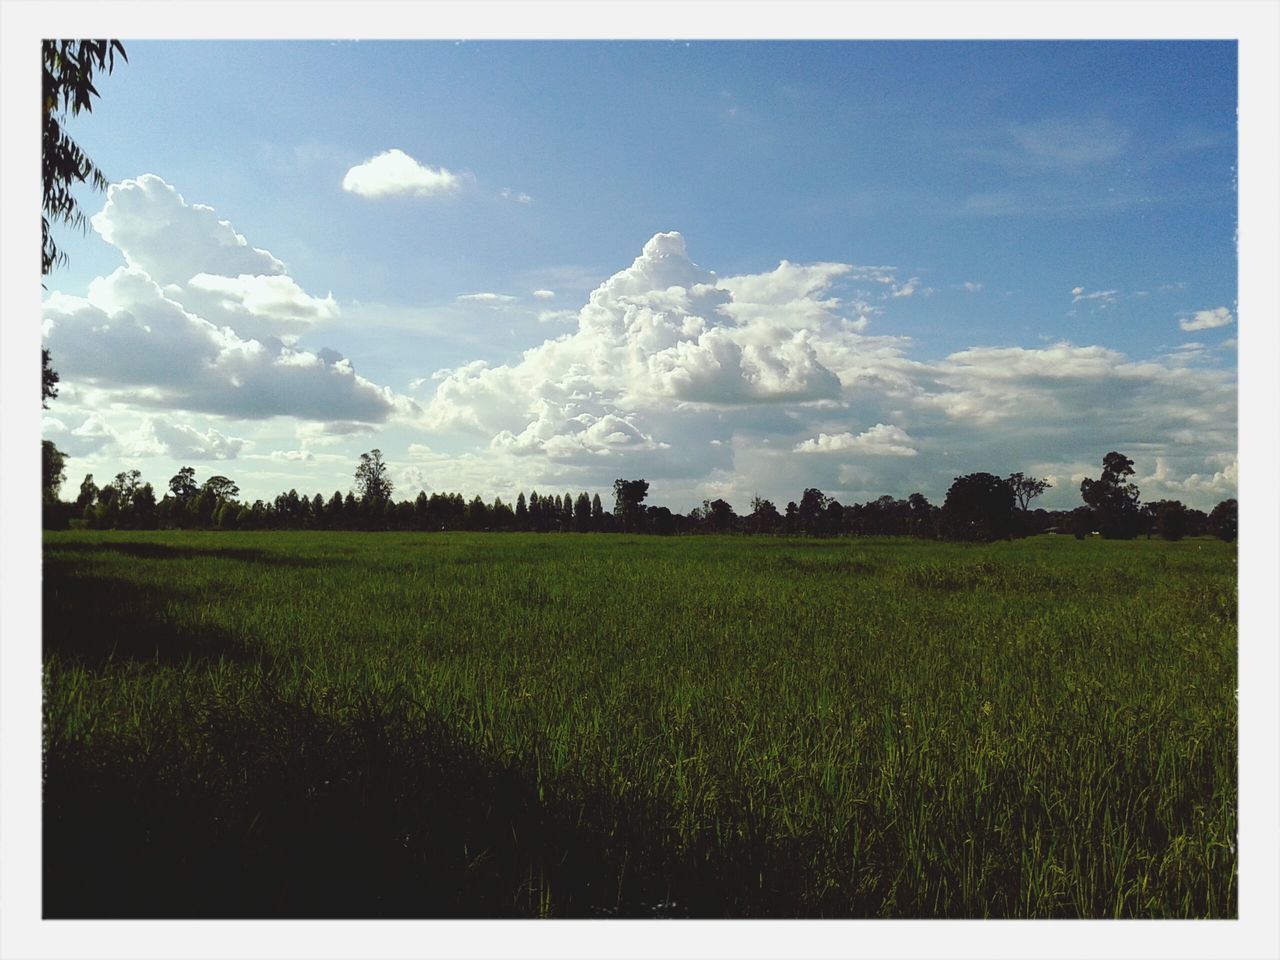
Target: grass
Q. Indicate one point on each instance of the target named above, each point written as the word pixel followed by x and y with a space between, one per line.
pixel 490 725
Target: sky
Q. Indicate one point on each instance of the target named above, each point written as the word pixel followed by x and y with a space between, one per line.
pixel 730 268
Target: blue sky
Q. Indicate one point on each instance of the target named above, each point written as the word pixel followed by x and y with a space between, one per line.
pixel 894 262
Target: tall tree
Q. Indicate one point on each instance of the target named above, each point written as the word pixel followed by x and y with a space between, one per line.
pixel 1026 488
pixel 372 481
pixel 628 503
pixel 183 484
pixel 53 464
pixel 979 506
pixel 1224 520
pixel 1114 499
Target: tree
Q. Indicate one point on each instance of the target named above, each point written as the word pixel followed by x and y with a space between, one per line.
pixel 1224 520
pixel 597 513
pixel 183 485
pixel 522 512
pixel 69 66
pixel 222 488
pixel 371 478
pixel 88 493
pixel 811 513
pixel 628 500
pixel 764 516
pixel 67 85
pixel 53 464
pixel 979 506
pixel 582 513
pixel 1026 489
pixel 1114 499
pixel 1170 519
pixel 48 379
pixel 144 507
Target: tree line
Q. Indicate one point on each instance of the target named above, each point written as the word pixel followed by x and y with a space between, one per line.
pixel 977 507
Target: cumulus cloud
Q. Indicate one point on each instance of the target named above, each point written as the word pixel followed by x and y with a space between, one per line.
pixel 200 320
pixel 129 336
pixel 685 376
pixel 187 443
pixel 160 233
pixel 880 440
pixel 395 172
pixel 1207 319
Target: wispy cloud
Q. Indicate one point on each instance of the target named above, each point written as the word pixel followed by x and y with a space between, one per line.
pixel 1207 319
pixel 487 297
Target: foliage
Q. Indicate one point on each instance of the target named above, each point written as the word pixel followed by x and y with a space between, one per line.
pixel 978 506
pixel 397 725
pixel 53 464
pixel 67 88
pixel 1026 488
pixel 372 482
pixel 1114 499
pixel 1224 520
pixel 628 500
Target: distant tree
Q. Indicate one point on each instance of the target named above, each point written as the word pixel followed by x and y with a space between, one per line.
pixel 660 520
pixel 719 516
pixel 88 493
pixel 1224 520
pixel 477 514
pixel 53 466
pixel 1080 522
pixel 597 513
pixel 811 514
pixel 764 517
pixel 221 488
pixel 978 506
pixel 126 485
pixel 1170 519
pixel 921 511
pixel 372 482
pixel 791 519
pixel 1026 488
pixel 1114 499
pixel 522 512
pixel 628 500
pixel 582 513
pixel 183 485
pixel 144 508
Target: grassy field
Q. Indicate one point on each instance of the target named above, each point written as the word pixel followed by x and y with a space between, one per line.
pixel 492 725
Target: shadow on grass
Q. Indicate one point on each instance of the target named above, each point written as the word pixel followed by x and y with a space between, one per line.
pixel 165 551
pixel 282 814
pixel 95 620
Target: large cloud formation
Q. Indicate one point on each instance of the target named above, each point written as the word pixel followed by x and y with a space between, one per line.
pixel 771 382
pixel 200 321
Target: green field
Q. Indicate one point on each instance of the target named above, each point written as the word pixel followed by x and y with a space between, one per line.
pixel 307 724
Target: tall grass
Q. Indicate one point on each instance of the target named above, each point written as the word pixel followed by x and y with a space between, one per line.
pixel 512 725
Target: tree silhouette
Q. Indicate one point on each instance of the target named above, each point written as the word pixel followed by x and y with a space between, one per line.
pixel 1114 499
pixel 1224 520
pixel 979 506
pixel 1026 489
pixel 628 500
pixel 372 482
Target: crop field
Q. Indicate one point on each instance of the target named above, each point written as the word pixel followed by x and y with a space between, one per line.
pixel 513 725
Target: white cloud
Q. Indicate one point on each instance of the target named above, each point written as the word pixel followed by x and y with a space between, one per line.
pixel 130 338
pixel 184 442
pixel 971 286
pixel 487 297
pixel 1207 319
pixel 1103 298
pixel 395 172
pixel 160 233
pixel 681 375
pixel 544 294
pixel 515 196
pixel 254 306
pixel 880 440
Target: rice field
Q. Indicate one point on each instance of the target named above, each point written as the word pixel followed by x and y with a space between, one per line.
pixel 514 725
